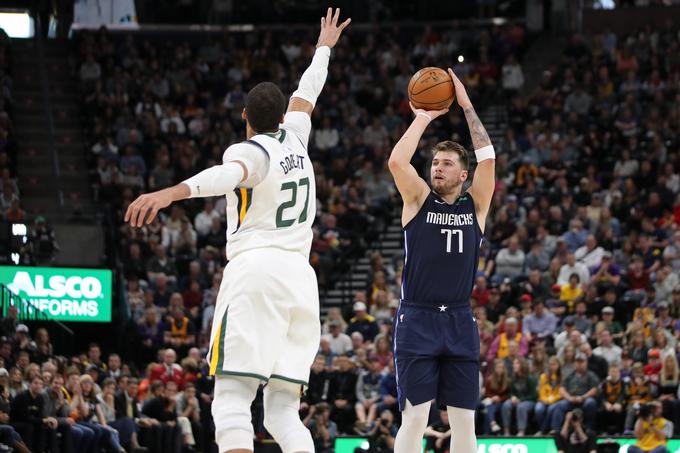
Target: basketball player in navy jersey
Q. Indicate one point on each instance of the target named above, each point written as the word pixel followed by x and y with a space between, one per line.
pixel 436 343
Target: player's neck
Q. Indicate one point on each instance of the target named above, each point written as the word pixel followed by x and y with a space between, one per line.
pixel 450 197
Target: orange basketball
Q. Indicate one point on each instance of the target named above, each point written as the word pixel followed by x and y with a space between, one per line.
pixel 431 89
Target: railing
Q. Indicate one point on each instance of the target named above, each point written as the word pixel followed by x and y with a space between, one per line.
pixel 49 119
pixel 61 336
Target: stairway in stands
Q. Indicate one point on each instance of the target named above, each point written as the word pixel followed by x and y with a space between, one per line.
pixel 390 244
pixel 73 221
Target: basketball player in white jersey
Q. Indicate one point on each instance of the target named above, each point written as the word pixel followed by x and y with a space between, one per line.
pixel 266 325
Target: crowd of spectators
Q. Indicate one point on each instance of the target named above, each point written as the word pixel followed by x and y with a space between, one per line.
pixel 160 110
pixel 577 298
pixel 39 245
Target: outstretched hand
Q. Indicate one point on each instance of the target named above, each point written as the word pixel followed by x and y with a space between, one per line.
pixel 144 209
pixel 431 114
pixel 461 95
pixel 330 30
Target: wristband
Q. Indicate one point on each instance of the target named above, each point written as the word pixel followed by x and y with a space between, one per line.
pixel 425 115
pixel 485 153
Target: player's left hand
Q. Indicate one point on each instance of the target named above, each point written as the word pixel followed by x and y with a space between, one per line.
pixel 461 95
pixel 330 30
pixel 146 206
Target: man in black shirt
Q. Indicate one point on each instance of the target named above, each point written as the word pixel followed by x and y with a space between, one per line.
pixel 438 434
pixel 596 364
pixel 342 393
pixel 27 415
pixel 159 408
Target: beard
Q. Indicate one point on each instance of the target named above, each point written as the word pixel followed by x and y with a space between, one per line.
pixel 443 187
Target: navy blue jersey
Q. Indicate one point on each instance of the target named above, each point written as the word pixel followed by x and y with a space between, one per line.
pixel 442 252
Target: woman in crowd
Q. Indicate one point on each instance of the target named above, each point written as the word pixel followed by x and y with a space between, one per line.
pixel 496 391
pixel 548 394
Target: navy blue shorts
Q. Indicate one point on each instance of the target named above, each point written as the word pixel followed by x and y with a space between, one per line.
pixel 436 353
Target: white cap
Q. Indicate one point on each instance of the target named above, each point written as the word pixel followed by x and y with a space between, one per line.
pixel 359 306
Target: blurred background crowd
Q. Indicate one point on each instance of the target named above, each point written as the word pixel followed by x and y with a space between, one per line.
pixel 577 296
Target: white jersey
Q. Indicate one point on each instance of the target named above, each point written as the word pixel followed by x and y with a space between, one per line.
pixel 279 211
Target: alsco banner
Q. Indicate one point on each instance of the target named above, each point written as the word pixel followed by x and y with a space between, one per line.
pixel 505 444
pixel 63 293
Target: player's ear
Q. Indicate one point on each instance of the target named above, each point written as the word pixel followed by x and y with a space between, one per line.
pixel 464 175
pixel 244 116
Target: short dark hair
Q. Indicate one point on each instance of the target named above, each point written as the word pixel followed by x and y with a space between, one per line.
pixel 453 147
pixel 265 105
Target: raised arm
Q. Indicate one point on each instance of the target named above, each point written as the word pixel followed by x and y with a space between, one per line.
pixel 313 79
pixel 411 186
pixel 484 181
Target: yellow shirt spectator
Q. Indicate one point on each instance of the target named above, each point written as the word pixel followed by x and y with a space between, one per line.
pixel 570 295
pixel 548 392
pixel 650 438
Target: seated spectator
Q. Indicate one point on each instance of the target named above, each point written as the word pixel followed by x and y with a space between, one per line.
pixel 181 332
pixel 340 343
pixel 668 389
pixel 572 292
pixel 125 426
pixel 151 331
pixel 651 430
pixel 549 384
pixel 510 260
pixel 326 352
pixel 576 236
pixel 596 364
pixel 590 253
pixel 160 264
pixel 169 370
pixel 183 422
pixel 388 390
pixel 368 394
pixel 27 416
pixel 653 366
pixel 333 314
pixel 613 326
pixel 540 323
pixel 362 323
pixel 499 347
pixel 582 321
pixel 612 394
pixel 573 267
pixel 608 272
pixel 639 391
pixel 563 337
pixel 380 308
pixel 72 435
pixel 578 390
pixel 496 392
pixel 204 219
pixel 160 409
pixel 8 434
pixel 607 349
pixel 522 398
pixel 438 434
pixel 342 393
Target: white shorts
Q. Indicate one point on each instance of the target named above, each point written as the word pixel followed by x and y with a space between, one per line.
pixel 266 322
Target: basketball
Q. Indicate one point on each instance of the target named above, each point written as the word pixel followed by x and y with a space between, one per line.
pixel 431 89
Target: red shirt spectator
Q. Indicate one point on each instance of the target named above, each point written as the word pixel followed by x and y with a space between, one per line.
pixel 653 367
pixel 169 370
